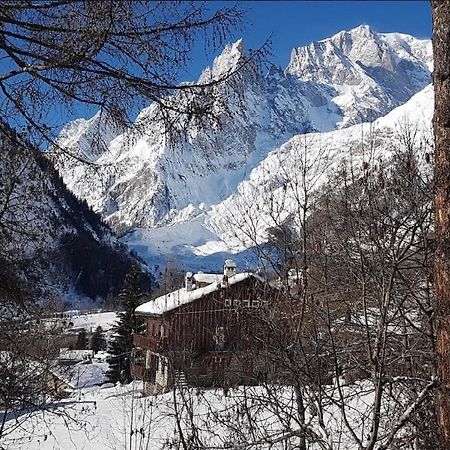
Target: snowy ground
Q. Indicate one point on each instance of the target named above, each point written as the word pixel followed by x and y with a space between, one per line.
pixel 191 252
pixel 90 321
pixel 108 417
pixel 94 418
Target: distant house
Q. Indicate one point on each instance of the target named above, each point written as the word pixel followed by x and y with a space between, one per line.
pixel 203 333
pixel 69 357
pixel 77 369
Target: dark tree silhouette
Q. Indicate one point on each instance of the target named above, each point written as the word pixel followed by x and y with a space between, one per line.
pixel 98 341
pixel 82 341
pixel 128 323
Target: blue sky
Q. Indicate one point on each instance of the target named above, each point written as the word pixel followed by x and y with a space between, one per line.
pixel 291 24
pixel 295 23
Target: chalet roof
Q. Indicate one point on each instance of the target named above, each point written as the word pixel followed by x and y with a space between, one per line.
pixel 181 297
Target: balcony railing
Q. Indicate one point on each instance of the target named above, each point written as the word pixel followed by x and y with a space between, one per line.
pixel 149 342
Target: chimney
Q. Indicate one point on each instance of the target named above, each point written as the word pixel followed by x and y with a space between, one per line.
pixel 229 268
pixel 292 277
pixel 188 281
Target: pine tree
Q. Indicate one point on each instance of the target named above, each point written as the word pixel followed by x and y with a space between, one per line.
pixel 82 341
pixel 128 323
pixel 98 341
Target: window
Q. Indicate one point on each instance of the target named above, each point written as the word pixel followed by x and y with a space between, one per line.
pixel 219 338
pixel 228 302
pixel 255 303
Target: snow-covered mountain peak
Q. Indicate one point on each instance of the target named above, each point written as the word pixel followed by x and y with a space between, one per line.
pixel 361 44
pixel 361 32
pixel 352 77
pixel 227 62
pixel 369 72
pixel 90 138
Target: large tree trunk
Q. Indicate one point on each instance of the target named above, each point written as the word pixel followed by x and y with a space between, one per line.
pixel 441 124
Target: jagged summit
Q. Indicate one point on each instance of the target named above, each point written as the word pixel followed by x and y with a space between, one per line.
pixel 370 72
pixel 352 77
pixel 228 61
pixel 89 138
pixel 230 58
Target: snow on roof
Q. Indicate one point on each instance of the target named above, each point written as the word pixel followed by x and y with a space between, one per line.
pixel 75 355
pixel 208 277
pixel 181 297
pixel 230 263
pixel 83 375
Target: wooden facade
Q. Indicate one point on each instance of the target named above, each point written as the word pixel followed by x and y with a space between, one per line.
pixel 211 340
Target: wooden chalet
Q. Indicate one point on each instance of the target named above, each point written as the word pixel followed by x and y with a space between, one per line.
pixel 203 334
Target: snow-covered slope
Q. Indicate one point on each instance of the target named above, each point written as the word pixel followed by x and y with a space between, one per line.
pixel 274 191
pixel 49 239
pixel 89 138
pixel 119 417
pixel 271 193
pixel 146 181
pixel 370 73
pixel 163 191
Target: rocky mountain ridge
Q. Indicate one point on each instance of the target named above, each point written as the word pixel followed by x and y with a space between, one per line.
pixel 146 185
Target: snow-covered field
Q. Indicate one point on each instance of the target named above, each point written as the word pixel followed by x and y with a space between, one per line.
pixel 119 417
pixel 90 321
pixel 115 418
pixel 84 374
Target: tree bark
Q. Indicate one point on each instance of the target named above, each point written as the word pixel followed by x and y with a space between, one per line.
pixel 441 126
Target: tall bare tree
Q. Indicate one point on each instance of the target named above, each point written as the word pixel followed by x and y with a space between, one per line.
pixel 117 56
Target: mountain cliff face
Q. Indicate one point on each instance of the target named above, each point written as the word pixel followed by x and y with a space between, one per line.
pixel 370 73
pixel 148 183
pixel 51 240
pixel 275 189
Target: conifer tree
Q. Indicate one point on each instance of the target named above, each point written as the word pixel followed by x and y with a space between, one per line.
pixel 82 341
pixel 98 341
pixel 128 323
